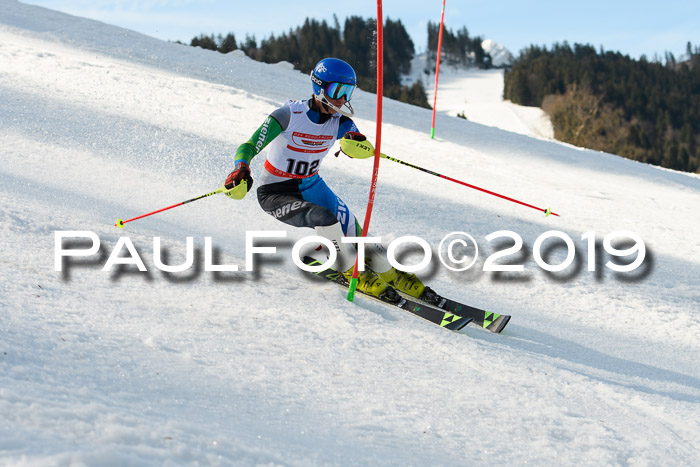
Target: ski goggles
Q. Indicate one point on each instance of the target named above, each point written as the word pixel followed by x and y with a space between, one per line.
pixel 338 90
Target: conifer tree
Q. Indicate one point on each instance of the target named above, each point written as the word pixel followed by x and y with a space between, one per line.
pixel 647 111
pixel 228 44
pixel 204 41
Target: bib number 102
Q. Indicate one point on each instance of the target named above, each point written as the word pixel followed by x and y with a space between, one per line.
pixel 304 168
pixel 637 248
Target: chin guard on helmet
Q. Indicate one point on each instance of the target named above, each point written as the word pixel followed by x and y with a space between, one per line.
pixel 341 110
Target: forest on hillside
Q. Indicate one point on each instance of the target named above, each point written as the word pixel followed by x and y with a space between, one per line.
pixel 457 47
pixel 355 43
pixel 643 110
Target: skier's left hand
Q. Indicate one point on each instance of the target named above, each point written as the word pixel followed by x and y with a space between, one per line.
pixel 355 136
pixel 356 145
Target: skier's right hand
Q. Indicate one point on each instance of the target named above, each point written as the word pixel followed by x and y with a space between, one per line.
pixel 238 182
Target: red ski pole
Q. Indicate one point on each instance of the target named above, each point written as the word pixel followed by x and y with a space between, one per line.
pixel 547 211
pixel 242 187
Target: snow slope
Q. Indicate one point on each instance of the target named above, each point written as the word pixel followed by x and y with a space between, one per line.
pixel 271 367
pixel 478 96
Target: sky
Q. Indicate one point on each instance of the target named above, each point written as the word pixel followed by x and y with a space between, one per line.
pixel 634 28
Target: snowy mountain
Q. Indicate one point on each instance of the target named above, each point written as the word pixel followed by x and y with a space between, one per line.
pixel 271 367
pixel 500 56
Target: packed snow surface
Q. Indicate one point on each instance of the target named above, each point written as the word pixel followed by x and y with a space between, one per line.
pixel 273 368
pixel 477 95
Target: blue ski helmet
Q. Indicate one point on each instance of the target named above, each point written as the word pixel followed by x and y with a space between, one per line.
pixel 333 78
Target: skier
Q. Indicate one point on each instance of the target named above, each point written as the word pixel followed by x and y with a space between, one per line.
pixel 300 134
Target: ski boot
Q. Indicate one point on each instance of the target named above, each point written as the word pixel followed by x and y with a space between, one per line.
pixel 410 285
pixel 371 284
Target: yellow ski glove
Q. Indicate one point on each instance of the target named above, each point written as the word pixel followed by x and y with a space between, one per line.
pixel 355 145
pixel 238 182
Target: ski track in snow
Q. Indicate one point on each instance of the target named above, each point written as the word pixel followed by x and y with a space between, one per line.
pixel 271 367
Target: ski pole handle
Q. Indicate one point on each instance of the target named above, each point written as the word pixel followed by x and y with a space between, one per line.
pixel 120 223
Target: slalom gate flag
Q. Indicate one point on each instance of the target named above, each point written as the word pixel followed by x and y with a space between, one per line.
pixel 437 69
pixel 378 143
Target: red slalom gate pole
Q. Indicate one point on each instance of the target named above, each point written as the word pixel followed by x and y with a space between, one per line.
pixel 437 69
pixel 547 211
pixel 378 142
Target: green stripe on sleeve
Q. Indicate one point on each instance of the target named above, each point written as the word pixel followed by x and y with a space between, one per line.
pixel 269 130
